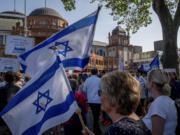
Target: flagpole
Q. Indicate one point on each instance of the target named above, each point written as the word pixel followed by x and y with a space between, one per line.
pixel 99 8
pixel 93 29
pixel 78 112
pixel 45 3
pixel 25 20
pixel 14 5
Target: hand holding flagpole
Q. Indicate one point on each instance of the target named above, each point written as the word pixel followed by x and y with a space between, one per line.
pixel 78 112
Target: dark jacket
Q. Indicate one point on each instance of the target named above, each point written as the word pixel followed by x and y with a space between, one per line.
pixel 5 92
pixel 175 89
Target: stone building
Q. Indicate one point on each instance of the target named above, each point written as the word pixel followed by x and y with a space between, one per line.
pixel 8 20
pixel 41 24
pixel 119 45
pixel 158 45
pixel 106 56
pixel 44 22
pixel 143 58
pixel 99 48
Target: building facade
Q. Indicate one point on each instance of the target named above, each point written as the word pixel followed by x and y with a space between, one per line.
pixel 41 24
pixel 8 20
pixel 106 56
pixel 159 45
pixel 99 48
pixel 119 46
pixel 44 22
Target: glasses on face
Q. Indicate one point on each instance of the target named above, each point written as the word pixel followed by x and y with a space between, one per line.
pixel 99 92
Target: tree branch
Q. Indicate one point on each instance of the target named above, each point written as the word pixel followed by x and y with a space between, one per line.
pixel 163 13
pixel 177 17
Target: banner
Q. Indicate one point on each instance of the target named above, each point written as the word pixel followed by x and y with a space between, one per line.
pixel 16 45
pixel 8 64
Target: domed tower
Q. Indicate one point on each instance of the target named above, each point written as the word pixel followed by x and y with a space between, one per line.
pixel 43 22
pixel 119 37
pixel 119 46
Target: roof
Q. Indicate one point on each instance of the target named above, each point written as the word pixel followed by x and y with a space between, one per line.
pixel 118 29
pixel 12 14
pixel 99 43
pixel 45 11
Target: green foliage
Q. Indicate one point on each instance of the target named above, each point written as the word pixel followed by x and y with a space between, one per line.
pixel 172 5
pixel 68 4
pixel 134 14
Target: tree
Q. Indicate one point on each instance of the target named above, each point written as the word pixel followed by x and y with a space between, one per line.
pixel 135 14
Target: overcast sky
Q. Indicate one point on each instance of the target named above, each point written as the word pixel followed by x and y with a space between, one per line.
pixel 144 37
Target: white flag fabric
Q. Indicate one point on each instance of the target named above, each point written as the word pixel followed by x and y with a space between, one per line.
pixel 73 44
pixel 120 64
pixel 44 102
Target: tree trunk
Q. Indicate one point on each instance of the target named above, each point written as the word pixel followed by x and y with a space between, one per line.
pixel 169 30
pixel 170 57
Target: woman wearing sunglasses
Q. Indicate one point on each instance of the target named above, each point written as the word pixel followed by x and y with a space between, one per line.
pixel 120 96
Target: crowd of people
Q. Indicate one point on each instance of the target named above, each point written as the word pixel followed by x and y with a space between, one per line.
pixel 131 104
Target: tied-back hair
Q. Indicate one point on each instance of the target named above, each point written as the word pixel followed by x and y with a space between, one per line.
pixel 161 79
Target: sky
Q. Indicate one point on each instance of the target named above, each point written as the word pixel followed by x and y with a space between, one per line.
pixel 145 37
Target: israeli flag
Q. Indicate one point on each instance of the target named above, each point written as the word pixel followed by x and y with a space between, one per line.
pixel 44 102
pixel 154 64
pixel 73 45
pixel 120 64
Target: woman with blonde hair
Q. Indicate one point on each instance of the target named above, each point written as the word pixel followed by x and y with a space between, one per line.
pixel 120 96
pixel 161 118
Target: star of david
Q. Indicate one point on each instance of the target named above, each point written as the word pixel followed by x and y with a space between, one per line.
pixel 61 51
pixel 42 101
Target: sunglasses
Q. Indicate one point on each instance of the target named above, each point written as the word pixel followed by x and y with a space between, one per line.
pixel 99 92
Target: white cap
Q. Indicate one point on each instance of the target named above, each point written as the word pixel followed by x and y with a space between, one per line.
pixel 170 70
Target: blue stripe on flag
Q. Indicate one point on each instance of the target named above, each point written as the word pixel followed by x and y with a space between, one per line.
pixel 74 62
pixel 51 112
pixel 33 87
pixel 78 25
pixel 23 68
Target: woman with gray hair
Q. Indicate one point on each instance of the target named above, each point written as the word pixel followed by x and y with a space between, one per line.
pixel 161 118
pixel 120 96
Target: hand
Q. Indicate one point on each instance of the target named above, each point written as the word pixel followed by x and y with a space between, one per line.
pixel 86 131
